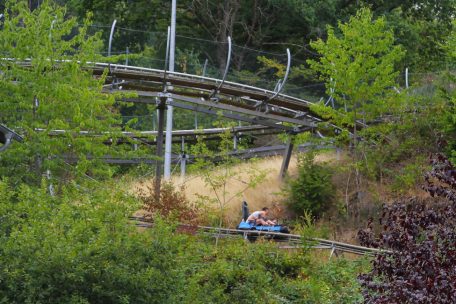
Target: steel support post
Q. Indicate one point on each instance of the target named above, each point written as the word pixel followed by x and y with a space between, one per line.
pixel 50 187
pixel 183 159
pixel 286 158
pixel 159 152
pixel 406 78
pixel 6 140
pixel 169 114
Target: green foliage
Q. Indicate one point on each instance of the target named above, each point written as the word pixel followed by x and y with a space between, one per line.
pixel 450 127
pixel 79 248
pixel 128 14
pixel 313 14
pixel 278 68
pixel 450 95
pixel 358 65
pixel 55 50
pixel 258 273
pixel 420 27
pixel 408 176
pixel 451 44
pixel 237 274
pixel 312 190
pixel 421 38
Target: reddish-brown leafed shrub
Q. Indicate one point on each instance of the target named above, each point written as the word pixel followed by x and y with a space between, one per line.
pixel 172 203
pixel 421 267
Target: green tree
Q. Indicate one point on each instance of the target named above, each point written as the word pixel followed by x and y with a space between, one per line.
pixel 44 85
pixel 421 38
pixel 358 66
pixel 450 115
pixel 143 15
pixel 312 190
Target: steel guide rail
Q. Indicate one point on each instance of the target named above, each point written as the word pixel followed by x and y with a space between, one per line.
pixel 238 95
pixel 295 241
pixel 232 96
pixel 204 82
pixel 145 134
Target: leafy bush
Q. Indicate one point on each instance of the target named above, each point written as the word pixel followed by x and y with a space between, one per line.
pixel 79 248
pixel 421 237
pixel 312 190
pixel 240 272
pixel 408 176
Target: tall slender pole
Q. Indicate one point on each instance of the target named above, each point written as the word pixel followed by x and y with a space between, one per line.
pixel 161 123
pixel 204 75
pixel 406 78
pixel 169 114
pixel 161 117
pixel 183 159
pixel 111 35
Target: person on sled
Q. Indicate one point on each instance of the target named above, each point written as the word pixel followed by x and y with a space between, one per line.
pixel 260 218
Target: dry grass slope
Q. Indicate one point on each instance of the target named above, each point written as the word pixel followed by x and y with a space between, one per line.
pixel 265 194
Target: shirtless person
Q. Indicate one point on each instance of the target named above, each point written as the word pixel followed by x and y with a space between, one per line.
pixel 260 218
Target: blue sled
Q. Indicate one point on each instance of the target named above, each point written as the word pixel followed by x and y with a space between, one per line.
pixel 247 226
pixel 244 225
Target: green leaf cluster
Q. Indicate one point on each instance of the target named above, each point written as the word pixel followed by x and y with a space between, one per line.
pixel 312 190
pixel 79 248
pixel 45 86
pixel 358 64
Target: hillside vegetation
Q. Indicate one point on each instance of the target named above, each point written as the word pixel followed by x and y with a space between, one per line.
pixel 382 78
